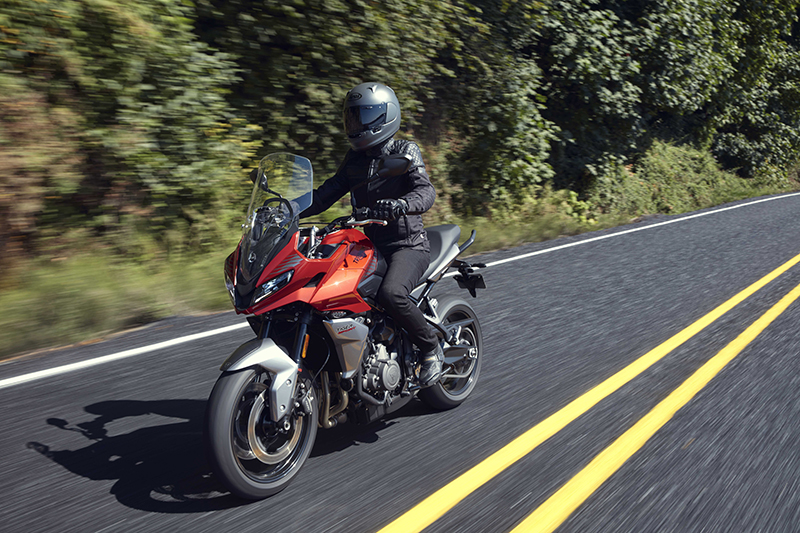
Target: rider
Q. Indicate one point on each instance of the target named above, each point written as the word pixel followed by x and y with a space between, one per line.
pixel 371 118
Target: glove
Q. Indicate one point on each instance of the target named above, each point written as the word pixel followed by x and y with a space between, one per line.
pixel 389 209
pixel 362 213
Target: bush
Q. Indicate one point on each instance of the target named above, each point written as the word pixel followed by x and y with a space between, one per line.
pixel 672 179
pixel 131 130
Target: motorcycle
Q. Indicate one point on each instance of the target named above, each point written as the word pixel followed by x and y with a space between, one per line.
pixel 324 351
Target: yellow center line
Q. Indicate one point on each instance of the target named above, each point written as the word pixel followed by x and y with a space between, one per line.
pixel 553 512
pixel 437 504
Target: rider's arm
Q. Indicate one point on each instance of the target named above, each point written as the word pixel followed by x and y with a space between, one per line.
pixel 421 196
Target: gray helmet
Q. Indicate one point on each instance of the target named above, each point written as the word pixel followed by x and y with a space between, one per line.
pixel 371 115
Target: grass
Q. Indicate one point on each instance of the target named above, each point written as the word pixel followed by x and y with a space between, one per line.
pixel 83 297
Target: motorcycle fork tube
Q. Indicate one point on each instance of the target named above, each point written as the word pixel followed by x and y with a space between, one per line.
pixel 299 346
pixel 265 327
pixel 300 337
pixel 261 325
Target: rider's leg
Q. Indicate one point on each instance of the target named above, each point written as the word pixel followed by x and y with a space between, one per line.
pixel 405 267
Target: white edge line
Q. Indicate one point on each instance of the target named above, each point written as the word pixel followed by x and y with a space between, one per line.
pixel 625 232
pixel 27 378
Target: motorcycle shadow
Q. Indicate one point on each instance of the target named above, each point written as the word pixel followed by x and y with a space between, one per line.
pixel 349 434
pixel 158 467
pixel 162 467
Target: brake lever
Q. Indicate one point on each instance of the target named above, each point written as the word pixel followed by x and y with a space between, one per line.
pixel 356 223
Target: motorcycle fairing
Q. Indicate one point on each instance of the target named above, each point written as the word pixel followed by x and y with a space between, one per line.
pixel 373 277
pixel 350 338
pixel 271 357
pixel 327 284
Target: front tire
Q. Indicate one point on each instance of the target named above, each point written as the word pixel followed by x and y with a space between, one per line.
pixel 459 379
pixel 253 456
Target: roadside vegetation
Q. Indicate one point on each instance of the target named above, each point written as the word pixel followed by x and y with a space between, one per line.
pixel 127 129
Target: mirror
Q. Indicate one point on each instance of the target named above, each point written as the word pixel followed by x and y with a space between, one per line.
pixel 393 165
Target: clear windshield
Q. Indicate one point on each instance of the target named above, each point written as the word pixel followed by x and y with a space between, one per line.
pixel 283 176
pixel 283 189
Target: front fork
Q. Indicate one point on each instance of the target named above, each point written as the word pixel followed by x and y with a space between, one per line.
pixel 303 405
pixel 284 368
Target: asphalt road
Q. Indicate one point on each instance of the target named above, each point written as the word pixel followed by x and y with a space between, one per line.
pixel 118 446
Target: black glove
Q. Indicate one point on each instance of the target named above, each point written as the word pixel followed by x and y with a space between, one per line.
pixel 362 213
pixel 389 209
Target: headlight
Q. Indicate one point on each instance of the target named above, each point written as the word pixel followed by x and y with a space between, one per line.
pixel 272 286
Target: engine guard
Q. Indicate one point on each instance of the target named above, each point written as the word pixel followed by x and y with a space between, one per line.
pixel 272 358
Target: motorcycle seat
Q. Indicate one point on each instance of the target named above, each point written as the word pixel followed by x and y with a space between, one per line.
pixel 442 239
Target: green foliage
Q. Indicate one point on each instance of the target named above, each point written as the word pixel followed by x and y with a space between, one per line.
pixel 132 103
pixel 688 50
pixel 671 179
pixel 67 300
pixel 508 141
pixel 756 122
pixel 298 59
pixel 586 51
pixel 147 115
pixel 621 74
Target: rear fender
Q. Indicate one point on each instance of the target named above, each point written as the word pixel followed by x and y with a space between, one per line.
pixel 272 358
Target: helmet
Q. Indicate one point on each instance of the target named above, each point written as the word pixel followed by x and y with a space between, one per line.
pixel 371 115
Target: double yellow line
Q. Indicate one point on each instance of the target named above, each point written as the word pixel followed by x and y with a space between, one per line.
pixel 556 509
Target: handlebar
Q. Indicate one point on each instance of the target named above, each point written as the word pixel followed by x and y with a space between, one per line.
pixel 363 216
pixel 357 223
pixel 352 221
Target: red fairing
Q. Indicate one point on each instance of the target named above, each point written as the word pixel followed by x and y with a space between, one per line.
pixel 329 284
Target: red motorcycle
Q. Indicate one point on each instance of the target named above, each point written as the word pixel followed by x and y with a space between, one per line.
pixel 324 351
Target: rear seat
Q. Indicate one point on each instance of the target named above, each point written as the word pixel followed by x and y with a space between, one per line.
pixel 442 238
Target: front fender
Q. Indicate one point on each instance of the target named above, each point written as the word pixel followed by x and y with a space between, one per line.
pixel 271 357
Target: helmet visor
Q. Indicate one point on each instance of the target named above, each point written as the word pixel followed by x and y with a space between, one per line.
pixel 358 119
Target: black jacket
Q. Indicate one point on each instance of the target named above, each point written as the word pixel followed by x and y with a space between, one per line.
pixel 414 187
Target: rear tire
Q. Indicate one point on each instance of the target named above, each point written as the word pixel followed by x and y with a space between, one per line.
pixel 252 456
pixel 450 392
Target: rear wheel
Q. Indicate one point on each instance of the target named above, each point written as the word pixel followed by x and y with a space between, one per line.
pixel 252 455
pixel 460 376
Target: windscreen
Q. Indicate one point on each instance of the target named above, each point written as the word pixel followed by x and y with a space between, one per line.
pixel 283 175
pixel 283 189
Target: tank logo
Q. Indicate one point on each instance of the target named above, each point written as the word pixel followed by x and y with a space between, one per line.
pixel 354 96
pixel 358 254
pixel 345 329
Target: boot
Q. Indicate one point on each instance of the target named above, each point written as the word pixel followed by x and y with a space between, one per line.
pixel 431 366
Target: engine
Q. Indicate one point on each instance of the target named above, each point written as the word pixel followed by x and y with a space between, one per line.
pixel 381 370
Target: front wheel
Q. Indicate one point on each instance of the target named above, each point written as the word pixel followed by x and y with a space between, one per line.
pixel 459 377
pixel 252 455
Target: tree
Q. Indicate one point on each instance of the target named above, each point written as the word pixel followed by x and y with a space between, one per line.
pixel 135 107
